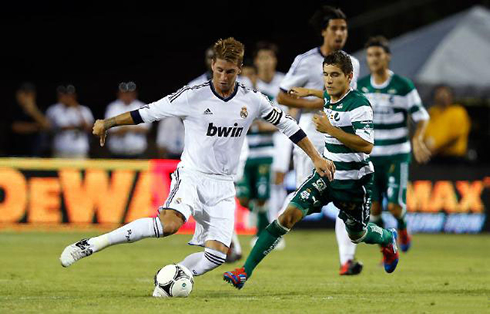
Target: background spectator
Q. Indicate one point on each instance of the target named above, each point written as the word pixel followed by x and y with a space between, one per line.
pixel 170 138
pixel 71 123
pixel 26 124
pixel 448 129
pixel 127 141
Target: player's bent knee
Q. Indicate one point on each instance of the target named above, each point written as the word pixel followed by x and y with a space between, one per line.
pixel 172 221
pixel 261 202
pixel 395 209
pixel 356 237
pixel 376 209
pixel 243 201
pixel 290 217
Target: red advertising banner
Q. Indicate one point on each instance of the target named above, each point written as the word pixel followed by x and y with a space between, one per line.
pixel 78 192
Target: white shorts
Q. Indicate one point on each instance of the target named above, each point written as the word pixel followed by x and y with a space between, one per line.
pixel 282 152
pixel 209 199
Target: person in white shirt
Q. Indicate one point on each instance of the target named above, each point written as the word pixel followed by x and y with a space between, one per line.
pixel 127 141
pixel 306 71
pixel 170 138
pixel 216 115
pixel 70 122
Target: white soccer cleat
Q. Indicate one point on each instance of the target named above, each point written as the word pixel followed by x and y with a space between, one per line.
pixel 75 251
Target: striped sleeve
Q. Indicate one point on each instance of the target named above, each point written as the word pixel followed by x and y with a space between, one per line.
pixel 415 107
pixel 414 103
pixel 285 123
pixel 362 122
pixel 173 105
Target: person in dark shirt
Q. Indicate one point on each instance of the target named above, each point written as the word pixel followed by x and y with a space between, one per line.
pixel 26 123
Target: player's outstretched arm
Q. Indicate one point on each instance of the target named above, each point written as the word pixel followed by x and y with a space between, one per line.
pixel 305 92
pixel 421 153
pixel 323 166
pixel 294 101
pixel 101 126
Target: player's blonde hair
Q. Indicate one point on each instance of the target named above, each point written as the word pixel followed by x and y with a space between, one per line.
pixel 230 50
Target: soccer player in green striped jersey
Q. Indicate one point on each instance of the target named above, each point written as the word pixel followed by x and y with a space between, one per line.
pixel 394 98
pixel 347 122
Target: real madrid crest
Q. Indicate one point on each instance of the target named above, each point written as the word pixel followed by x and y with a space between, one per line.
pixel 244 112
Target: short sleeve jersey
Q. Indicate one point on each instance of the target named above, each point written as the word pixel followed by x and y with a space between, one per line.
pixel 352 114
pixel 393 102
pixel 215 127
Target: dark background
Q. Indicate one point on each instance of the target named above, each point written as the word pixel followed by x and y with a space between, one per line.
pixel 160 46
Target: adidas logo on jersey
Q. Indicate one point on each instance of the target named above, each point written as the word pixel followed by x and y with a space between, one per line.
pixel 225 131
pixel 207 111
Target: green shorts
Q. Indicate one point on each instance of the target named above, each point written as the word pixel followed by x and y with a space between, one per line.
pixel 354 202
pixel 390 181
pixel 256 180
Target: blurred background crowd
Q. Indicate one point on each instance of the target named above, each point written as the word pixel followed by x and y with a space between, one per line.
pixel 66 65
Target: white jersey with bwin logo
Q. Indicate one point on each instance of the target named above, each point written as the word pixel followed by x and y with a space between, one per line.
pixel 215 127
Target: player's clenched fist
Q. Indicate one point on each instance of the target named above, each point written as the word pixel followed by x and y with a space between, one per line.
pixel 100 131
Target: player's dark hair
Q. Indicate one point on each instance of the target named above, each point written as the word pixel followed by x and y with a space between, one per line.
pixel 320 19
pixel 230 50
pixel 265 45
pixel 442 86
pixel 378 41
pixel 340 59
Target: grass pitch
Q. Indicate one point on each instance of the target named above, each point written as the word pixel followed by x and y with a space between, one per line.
pixel 442 273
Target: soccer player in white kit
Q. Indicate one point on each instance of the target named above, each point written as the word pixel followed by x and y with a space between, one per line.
pixel 216 115
pixel 306 71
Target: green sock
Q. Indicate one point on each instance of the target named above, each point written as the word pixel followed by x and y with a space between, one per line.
pixel 378 220
pixel 262 219
pixel 402 222
pixel 264 245
pixel 377 235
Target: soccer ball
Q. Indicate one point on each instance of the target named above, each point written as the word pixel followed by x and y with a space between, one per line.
pixel 173 281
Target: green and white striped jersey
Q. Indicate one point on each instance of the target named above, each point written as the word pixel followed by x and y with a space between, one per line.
pixel 353 114
pixel 392 102
pixel 261 144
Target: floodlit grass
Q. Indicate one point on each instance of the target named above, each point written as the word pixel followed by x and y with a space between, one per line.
pixel 442 273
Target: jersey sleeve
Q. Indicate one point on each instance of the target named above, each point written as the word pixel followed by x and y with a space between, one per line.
pixel 173 105
pixel 414 104
pixel 362 122
pixel 297 75
pixel 285 123
pixel 356 69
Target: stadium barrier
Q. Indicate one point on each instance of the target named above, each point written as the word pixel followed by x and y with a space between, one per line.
pixel 50 192
pixel 105 192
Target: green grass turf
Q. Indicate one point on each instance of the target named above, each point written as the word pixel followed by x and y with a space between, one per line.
pixel 442 273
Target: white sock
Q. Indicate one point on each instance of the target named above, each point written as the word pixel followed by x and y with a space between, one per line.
pixel 276 201
pixel 236 243
pixel 285 204
pixel 347 249
pixel 202 262
pixel 131 232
